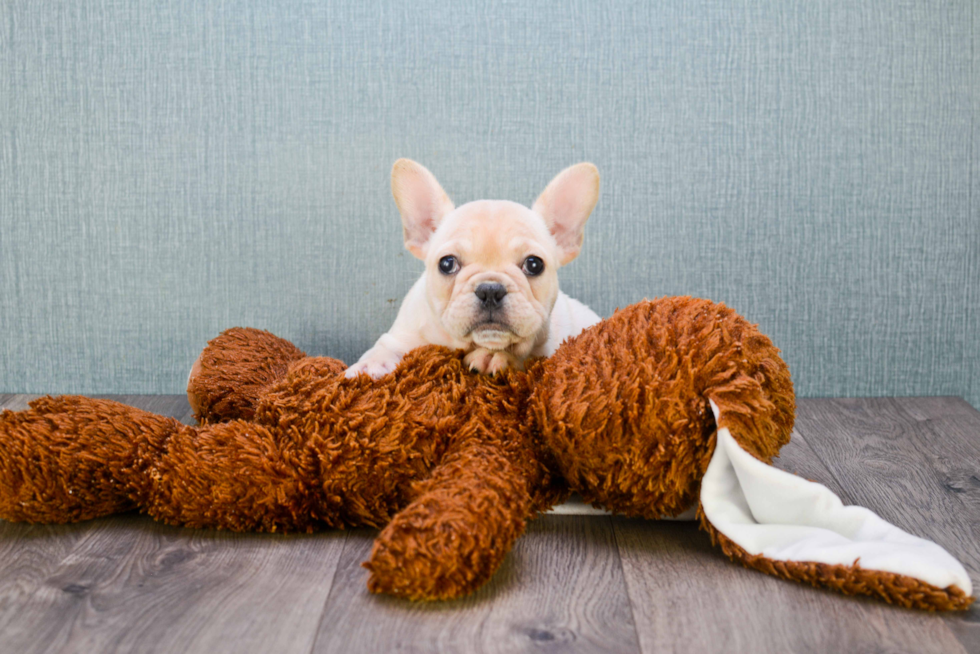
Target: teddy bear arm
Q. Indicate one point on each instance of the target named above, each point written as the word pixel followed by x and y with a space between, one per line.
pixel 454 535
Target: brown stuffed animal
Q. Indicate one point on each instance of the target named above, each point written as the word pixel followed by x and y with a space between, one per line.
pixel 631 414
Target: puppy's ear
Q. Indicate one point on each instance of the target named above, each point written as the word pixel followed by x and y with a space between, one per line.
pixel 421 202
pixel 565 205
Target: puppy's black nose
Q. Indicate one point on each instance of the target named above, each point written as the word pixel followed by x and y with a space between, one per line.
pixel 490 294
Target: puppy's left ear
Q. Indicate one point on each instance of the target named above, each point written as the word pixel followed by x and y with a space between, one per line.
pixel 565 205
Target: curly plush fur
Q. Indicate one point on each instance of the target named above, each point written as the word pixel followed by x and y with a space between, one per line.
pixel 449 463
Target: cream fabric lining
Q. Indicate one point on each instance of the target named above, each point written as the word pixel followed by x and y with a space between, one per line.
pixel 786 518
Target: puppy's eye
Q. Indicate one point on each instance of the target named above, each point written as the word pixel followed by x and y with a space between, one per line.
pixel 533 266
pixel 449 265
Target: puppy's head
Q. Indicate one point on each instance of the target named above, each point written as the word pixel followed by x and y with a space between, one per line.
pixel 491 265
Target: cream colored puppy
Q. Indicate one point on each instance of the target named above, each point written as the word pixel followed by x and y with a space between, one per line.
pixel 490 285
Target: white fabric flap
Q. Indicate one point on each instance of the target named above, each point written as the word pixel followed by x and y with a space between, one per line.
pixel 786 518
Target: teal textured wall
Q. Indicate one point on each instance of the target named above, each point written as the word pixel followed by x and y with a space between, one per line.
pixel 168 170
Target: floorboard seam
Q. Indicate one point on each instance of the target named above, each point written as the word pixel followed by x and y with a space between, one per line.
pixel 333 581
pixel 928 422
pixel 626 583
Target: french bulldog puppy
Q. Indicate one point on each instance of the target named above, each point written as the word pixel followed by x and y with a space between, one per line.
pixel 490 285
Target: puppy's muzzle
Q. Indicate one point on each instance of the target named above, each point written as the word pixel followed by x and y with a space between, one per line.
pixel 490 294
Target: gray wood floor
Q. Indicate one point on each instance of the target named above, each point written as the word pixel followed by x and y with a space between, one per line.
pixel 573 583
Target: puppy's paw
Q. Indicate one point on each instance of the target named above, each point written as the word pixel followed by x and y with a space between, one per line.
pixel 490 362
pixel 375 363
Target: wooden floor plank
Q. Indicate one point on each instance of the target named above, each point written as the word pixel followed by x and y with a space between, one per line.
pixel 30 555
pixel 560 589
pixel 917 471
pixel 135 585
pixel 925 408
pixel 687 597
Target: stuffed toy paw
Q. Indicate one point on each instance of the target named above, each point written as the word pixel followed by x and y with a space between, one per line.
pixel 668 405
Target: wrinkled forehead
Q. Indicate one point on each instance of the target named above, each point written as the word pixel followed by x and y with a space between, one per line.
pixel 488 229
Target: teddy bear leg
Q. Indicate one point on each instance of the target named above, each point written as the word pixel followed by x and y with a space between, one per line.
pixel 234 370
pixel 73 458
pixel 452 538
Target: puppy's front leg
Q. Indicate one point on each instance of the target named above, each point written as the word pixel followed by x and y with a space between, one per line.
pixel 405 335
pixel 381 359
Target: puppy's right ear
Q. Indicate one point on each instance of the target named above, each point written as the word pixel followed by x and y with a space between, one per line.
pixel 566 203
pixel 421 202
